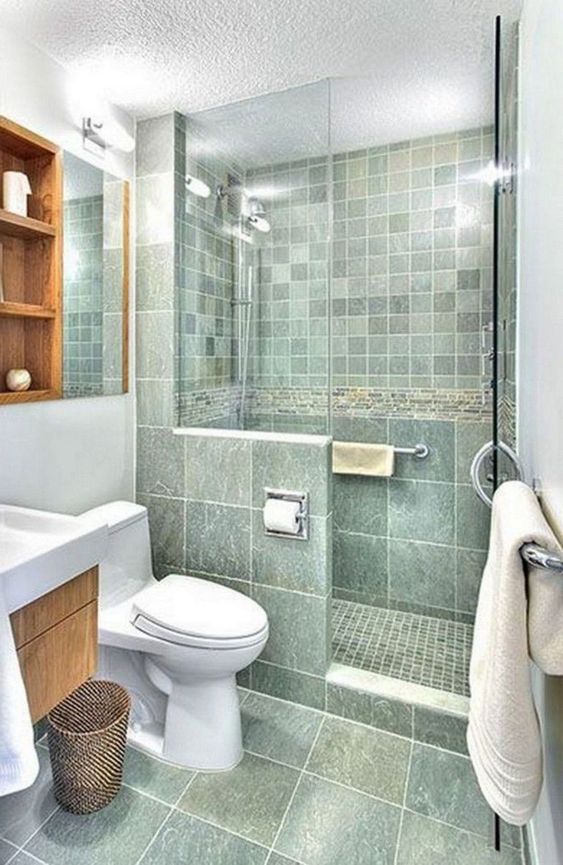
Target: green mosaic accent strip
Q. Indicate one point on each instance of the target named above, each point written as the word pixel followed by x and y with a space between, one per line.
pixel 371 402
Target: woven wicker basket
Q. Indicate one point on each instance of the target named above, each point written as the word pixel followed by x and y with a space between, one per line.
pixel 87 735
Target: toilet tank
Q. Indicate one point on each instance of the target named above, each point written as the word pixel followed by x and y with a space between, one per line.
pixel 127 567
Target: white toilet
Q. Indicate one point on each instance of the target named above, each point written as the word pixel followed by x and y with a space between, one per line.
pixel 176 645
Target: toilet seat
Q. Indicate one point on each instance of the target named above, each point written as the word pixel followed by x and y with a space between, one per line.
pixel 193 612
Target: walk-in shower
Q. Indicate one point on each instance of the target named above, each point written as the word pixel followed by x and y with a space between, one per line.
pixel 340 282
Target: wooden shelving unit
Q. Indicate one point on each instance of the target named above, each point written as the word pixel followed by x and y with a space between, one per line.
pixel 31 314
pixel 24 226
pixel 26 310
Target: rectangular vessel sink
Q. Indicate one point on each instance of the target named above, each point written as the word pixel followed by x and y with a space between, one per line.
pixel 40 551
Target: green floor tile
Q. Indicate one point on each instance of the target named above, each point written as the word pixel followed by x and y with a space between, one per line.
pixel 6 852
pixel 154 777
pixel 278 859
pixel 427 842
pixel 281 731
pixel 330 825
pixel 442 785
pixel 185 840
pixel 23 859
pixel 22 813
pixel 368 760
pixel 250 800
pixel 117 835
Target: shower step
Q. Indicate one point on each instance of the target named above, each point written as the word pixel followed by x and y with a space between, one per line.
pixel 408 709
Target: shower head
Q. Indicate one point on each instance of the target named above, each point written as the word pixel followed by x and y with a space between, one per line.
pixel 197 186
pixel 256 216
pixel 260 224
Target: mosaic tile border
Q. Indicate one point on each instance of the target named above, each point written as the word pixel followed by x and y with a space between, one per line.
pixel 210 405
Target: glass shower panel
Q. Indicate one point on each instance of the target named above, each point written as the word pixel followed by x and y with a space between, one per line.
pixel 506 192
pixel 411 295
pixel 253 281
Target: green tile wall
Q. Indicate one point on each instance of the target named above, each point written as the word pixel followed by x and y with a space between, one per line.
pixel 155 272
pixel 112 318
pixel 410 284
pixel 416 541
pixel 206 264
pixel 290 340
pixel 205 496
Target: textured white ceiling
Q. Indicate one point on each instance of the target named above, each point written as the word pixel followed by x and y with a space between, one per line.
pixel 407 67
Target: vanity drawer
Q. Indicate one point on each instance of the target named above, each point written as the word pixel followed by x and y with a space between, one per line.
pixel 53 607
pixel 57 661
pixel 56 638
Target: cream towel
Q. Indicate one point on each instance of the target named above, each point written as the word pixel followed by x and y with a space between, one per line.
pixel 354 458
pixel 18 759
pixel 504 735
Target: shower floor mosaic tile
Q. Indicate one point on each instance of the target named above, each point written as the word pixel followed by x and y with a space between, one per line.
pixel 407 646
pixel 312 789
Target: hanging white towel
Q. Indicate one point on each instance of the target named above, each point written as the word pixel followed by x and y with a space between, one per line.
pixel 19 765
pixel 504 735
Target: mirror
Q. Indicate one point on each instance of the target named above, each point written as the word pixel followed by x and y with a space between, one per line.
pixel 95 280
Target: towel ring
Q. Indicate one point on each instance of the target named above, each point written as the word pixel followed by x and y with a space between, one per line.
pixel 478 461
pixel 533 554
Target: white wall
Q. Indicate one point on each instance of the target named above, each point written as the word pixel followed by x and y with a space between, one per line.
pixel 540 398
pixel 71 454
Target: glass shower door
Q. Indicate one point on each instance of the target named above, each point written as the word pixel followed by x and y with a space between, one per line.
pixel 505 252
pixel 497 461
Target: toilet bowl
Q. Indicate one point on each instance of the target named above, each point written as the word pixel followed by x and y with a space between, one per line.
pixel 176 645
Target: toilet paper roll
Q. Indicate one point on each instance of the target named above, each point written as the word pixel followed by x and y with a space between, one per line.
pixel 15 189
pixel 282 516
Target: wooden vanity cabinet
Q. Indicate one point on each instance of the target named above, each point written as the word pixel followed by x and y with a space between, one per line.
pixel 56 639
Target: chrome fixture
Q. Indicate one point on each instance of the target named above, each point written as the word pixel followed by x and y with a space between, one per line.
pixel 539 557
pixel 533 554
pixel 302 516
pixel 99 136
pixel 477 462
pixel 232 191
pixel 197 187
pixel 419 451
pixel 256 217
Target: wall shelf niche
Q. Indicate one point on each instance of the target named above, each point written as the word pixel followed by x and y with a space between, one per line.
pixel 31 260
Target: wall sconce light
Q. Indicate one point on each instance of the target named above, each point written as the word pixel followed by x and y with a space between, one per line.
pixel 97 137
pixel 197 186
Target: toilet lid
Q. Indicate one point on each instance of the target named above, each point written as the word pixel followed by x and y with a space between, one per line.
pixel 198 608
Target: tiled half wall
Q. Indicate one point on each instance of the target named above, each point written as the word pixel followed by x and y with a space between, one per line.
pixel 417 541
pixel 205 494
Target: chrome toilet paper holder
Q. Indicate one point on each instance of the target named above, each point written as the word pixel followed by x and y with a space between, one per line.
pixel 302 517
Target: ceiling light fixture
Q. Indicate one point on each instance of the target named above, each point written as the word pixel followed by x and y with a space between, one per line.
pixel 99 136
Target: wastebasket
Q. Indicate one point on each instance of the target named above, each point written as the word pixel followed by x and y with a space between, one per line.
pixel 87 733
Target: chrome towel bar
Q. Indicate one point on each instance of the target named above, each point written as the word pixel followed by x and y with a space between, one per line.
pixel 538 557
pixel 419 451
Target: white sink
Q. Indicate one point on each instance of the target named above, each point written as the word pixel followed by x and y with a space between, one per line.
pixel 40 551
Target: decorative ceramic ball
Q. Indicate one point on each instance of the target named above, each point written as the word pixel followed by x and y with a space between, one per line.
pixel 18 379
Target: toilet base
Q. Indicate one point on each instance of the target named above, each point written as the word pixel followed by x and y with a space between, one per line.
pixel 202 729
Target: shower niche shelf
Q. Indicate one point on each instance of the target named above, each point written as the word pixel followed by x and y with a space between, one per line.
pixel 31 264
